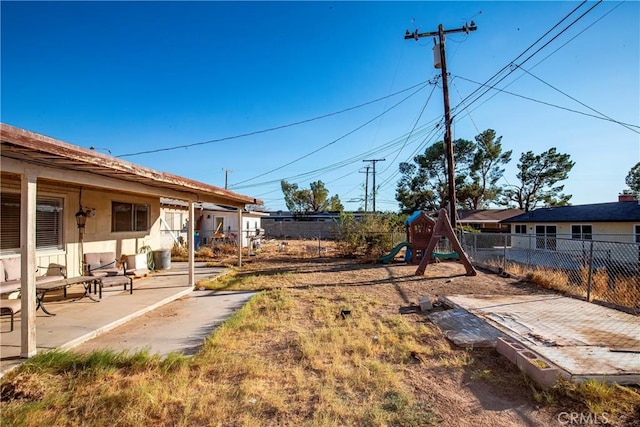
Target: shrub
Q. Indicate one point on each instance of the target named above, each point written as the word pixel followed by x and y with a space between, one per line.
pixel 370 236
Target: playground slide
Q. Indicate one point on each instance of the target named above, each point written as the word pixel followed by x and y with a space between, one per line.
pixel 386 259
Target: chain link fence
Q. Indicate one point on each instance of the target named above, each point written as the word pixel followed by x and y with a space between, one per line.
pixel 594 270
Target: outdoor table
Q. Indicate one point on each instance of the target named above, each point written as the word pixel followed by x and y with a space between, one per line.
pixel 86 281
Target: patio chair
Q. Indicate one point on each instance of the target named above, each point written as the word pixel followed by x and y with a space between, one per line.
pixel 9 307
pixel 109 269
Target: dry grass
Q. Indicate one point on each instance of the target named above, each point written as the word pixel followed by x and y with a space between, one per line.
pixel 622 291
pixel 326 342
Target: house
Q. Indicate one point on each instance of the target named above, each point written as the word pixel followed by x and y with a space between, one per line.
pixel 213 222
pixel 487 220
pixel 565 228
pixel 48 186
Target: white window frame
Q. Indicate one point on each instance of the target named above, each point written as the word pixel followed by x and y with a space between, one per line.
pixel 549 243
pixel 520 226
pixel 581 235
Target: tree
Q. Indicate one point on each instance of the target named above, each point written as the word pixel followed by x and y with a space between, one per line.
pixel 314 199
pixel 633 179
pixel 335 205
pixel 478 167
pixel 486 170
pixel 539 174
pixel 423 185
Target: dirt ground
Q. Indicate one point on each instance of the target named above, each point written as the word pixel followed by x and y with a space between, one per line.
pixel 488 392
pixel 456 398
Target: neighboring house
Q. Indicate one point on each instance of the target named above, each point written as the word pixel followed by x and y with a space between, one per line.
pixel 212 222
pixel 46 184
pixel 564 228
pixel 487 220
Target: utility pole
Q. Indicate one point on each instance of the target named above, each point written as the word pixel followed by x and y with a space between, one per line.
pixel 374 161
pixel 440 60
pixel 366 187
pixel 226 175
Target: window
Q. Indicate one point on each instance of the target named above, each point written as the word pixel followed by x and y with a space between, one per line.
pixel 637 230
pixel 48 222
pixel 520 229
pixel 581 232
pixel 546 237
pixel 129 217
pixel 219 224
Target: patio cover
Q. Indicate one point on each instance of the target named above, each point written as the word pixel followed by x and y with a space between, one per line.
pixel 33 156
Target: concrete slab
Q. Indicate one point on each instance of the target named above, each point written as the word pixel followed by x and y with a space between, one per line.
pixel 582 339
pixel 465 329
pixel 79 321
pixel 179 327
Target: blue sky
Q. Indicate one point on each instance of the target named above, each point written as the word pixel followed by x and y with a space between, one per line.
pixel 131 77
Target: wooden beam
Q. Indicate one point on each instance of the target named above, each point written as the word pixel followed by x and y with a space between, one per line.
pixel 93 180
pixel 239 237
pixel 28 187
pixel 190 244
pixel 440 229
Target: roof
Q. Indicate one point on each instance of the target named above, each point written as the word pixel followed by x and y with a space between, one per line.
pixel 597 212
pixel 180 204
pixel 415 216
pixel 486 215
pixel 33 148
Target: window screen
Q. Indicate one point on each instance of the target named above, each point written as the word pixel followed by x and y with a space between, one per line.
pixel 129 217
pixel 49 222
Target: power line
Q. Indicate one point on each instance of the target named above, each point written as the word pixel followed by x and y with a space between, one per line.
pixel 533 54
pixel 332 142
pixel 627 125
pixel 579 102
pixel 496 74
pixel 412 129
pixel 374 161
pixel 427 140
pixel 257 132
pixel 321 171
pixel 550 54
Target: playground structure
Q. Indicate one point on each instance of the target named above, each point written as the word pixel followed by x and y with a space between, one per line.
pixel 423 234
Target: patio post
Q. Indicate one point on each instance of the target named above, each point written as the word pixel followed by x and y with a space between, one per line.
pixel 190 244
pixel 239 236
pixel 28 187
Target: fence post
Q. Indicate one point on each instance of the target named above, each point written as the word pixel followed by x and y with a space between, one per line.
pixel 319 248
pixel 531 237
pixel 590 263
pixel 504 253
pixel 475 246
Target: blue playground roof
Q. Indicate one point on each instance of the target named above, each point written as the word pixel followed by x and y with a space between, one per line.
pixel 412 218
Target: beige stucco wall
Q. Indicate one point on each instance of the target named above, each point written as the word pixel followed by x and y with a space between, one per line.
pixel 610 231
pixel 603 235
pixel 98 236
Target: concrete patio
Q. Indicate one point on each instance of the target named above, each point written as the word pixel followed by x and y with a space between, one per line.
pixel 78 321
pixel 580 340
